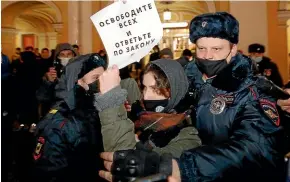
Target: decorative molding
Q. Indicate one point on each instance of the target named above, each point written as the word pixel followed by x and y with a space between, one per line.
pixel 51 34
pixel 57 26
pixel 48 3
pixel 41 34
pixel 9 30
pixel 283 16
pixel 283 5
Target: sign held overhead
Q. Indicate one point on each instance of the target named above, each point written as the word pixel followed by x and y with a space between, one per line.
pixel 129 30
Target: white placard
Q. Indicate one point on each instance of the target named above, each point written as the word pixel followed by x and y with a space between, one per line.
pixel 129 30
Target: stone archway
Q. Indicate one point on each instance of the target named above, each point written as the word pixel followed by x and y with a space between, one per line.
pixel 5 4
pixel 40 19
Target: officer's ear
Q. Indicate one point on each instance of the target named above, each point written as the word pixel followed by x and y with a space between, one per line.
pixel 234 49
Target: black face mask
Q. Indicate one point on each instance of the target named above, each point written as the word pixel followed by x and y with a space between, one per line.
pixel 153 105
pixel 93 87
pixel 211 68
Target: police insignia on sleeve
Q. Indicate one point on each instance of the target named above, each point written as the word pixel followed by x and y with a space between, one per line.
pixel 39 148
pixel 217 105
pixel 270 110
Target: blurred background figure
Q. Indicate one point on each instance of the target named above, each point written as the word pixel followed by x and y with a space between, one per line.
pixel 185 58
pixel 155 54
pixel 77 49
pixel 166 53
pixel 265 66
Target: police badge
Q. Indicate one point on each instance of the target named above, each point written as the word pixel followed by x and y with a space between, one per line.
pixel 217 105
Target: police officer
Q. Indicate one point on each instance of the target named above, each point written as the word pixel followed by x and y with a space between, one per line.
pixel 265 66
pixel 239 125
pixel 68 139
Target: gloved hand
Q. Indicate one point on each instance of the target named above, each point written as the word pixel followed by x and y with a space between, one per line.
pixel 128 165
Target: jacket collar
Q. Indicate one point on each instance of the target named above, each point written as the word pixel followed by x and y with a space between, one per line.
pixel 236 75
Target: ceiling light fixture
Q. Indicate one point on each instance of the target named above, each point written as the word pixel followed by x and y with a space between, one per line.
pixel 175 25
pixel 166 15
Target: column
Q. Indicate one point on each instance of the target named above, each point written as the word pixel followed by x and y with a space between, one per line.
pixel 85 27
pixel 96 40
pixel 283 62
pixel 52 39
pixel 73 22
pixel 42 42
pixel 278 39
pixel 58 30
pixel 8 41
pixel 253 24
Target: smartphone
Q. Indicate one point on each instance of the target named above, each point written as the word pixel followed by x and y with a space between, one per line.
pixel 153 178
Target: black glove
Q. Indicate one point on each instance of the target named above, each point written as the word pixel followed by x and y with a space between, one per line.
pixel 131 164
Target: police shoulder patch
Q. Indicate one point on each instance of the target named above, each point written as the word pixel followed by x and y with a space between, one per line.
pixel 270 110
pixel 53 111
pixel 39 148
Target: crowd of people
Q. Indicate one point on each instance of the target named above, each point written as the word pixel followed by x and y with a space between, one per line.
pixel 200 117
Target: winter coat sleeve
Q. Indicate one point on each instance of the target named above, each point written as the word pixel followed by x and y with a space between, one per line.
pixel 51 154
pixel 117 129
pixel 57 146
pixel 251 145
pixel 186 139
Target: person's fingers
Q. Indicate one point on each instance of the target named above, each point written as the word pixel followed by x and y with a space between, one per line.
pixel 287 90
pixel 52 69
pixel 172 179
pixel 102 77
pixel 137 138
pixel 108 165
pixel 288 155
pixel 107 156
pixel 286 108
pixel 115 69
pixel 115 66
pixel 282 103
pixel 106 175
pixel 128 108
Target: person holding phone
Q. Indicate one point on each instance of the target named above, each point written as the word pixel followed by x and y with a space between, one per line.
pixel 45 94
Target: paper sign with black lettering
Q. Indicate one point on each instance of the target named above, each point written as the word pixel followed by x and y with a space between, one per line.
pixel 129 30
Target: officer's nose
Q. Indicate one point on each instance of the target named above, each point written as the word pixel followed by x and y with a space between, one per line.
pixel 208 55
